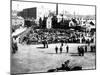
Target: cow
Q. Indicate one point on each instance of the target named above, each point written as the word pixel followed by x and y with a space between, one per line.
pixel 75 68
pixel 66 67
pixel 52 70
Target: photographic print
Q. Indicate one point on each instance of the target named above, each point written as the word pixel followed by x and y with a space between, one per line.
pixel 52 37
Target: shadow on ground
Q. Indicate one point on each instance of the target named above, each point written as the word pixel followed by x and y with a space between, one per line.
pixel 74 54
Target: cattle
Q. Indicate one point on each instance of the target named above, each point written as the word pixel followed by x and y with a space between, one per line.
pixel 66 67
pixel 52 70
pixel 75 68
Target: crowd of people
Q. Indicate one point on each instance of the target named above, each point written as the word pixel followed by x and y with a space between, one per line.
pixel 45 37
pixel 56 36
pixel 80 49
pixel 61 49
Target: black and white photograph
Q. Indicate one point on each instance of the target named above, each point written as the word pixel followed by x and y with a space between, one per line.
pixel 52 37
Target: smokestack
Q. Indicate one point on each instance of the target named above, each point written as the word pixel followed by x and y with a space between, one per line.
pixel 57 9
pixel 74 15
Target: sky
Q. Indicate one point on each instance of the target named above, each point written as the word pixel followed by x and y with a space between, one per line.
pixel 79 10
pixel 43 8
pixel 18 5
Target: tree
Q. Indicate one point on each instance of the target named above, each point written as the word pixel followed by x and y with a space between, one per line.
pixel 40 22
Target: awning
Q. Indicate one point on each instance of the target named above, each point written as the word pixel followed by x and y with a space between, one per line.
pixel 18 31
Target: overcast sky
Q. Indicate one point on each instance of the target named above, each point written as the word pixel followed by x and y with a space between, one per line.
pixel 43 8
pixel 79 10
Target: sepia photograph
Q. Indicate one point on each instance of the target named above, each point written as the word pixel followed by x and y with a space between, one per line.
pixel 52 37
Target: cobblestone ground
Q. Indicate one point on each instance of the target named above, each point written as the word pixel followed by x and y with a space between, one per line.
pixel 35 58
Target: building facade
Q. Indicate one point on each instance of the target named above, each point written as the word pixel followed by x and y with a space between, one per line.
pixel 28 13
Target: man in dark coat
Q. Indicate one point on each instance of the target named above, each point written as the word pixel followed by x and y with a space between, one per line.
pixel 61 49
pixel 43 42
pixel 67 49
pixel 47 43
pixel 56 49
pixel 80 51
pixel 85 48
pixel 14 47
pixel 62 42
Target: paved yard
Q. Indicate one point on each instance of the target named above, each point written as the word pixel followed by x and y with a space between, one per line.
pixel 34 58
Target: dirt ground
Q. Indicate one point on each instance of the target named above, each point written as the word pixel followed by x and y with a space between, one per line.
pixel 35 58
